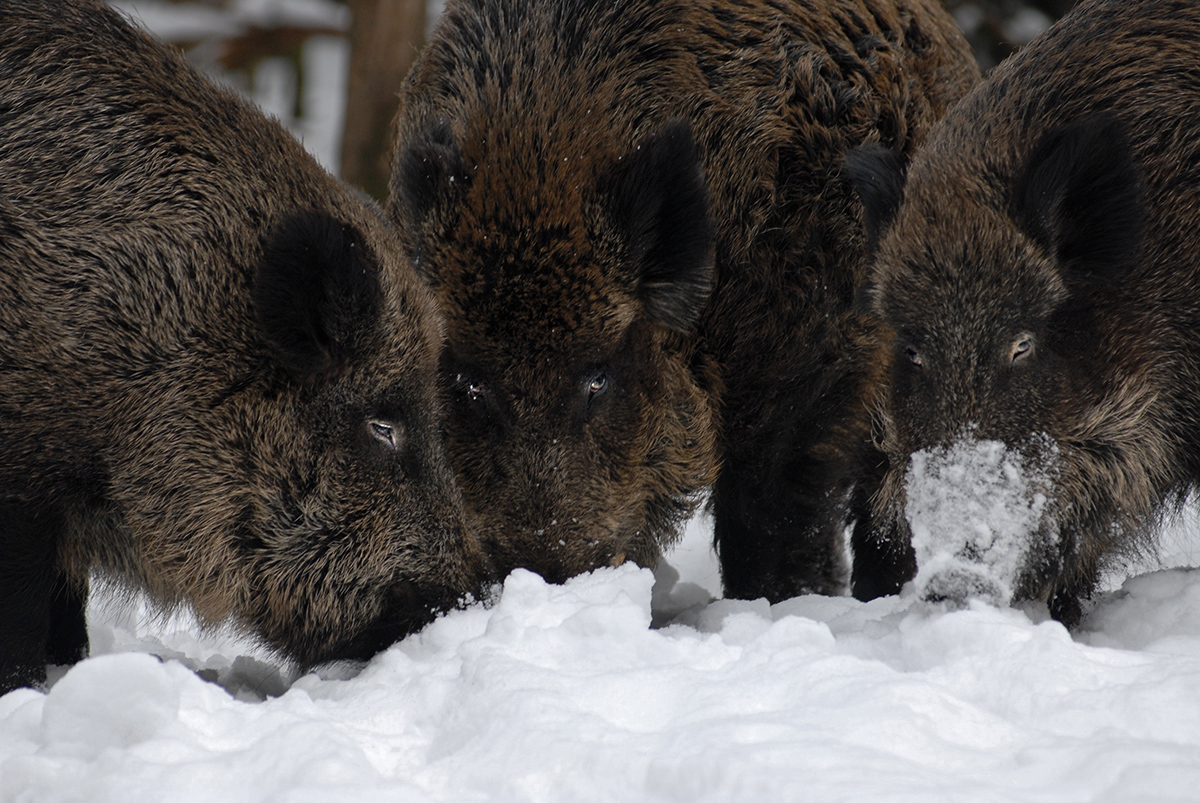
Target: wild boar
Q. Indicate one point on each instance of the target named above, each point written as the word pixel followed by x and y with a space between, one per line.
pixel 218 371
pixel 633 218
pixel 1037 282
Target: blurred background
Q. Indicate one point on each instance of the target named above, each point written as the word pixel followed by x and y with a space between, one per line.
pixel 330 70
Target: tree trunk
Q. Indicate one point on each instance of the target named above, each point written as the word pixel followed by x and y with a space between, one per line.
pixel 385 36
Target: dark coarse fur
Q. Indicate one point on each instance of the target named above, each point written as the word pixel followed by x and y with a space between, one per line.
pixel 217 367
pixel 633 216
pixel 1037 274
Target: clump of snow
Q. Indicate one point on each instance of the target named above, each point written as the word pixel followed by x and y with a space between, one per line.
pixel 1156 612
pixel 977 510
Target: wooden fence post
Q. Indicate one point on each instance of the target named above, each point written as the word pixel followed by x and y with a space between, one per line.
pixel 385 36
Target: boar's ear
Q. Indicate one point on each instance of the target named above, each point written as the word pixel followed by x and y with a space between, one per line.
pixel 877 174
pixel 1080 196
pixel 317 287
pixel 658 202
pixel 425 170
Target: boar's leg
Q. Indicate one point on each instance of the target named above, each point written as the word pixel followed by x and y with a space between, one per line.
pixel 883 562
pixel 68 641
pixel 883 557
pixel 28 595
pixel 793 452
pixel 780 535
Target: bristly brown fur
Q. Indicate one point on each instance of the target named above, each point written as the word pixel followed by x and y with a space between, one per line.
pixel 633 216
pixel 217 368
pixel 1054 208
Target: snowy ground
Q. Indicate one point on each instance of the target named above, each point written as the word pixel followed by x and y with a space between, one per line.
pixel 564 693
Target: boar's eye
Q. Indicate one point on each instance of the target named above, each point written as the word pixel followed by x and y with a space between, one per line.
pixel 388 433
pixel 471 398
pixel 472 389
pixel 1022 348
pixel 475 391
pixel 597 385
pixel 914 356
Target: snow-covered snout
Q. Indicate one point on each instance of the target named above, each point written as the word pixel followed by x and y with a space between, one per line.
pixel 979 516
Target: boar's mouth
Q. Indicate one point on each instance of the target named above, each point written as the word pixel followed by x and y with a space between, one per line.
pixel 559 552
pixel 407 608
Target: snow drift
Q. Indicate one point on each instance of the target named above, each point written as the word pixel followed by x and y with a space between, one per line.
pixel 561 693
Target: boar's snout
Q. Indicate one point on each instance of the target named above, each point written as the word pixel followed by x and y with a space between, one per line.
pixel 956 586
pixel 980 516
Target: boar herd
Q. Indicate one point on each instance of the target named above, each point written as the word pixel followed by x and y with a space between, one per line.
pixel 786 253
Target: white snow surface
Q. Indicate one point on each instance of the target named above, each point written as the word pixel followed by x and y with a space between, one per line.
pixel 566 693
pixel 976 510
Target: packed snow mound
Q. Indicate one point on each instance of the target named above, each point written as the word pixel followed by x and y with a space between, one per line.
pixel 977 510
pixel 566 693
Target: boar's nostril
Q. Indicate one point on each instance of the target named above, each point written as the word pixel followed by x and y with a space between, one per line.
pixel 411 607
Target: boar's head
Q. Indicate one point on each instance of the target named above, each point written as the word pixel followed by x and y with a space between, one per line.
pixel 571 278
pixel 988 272
pixel 355 528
